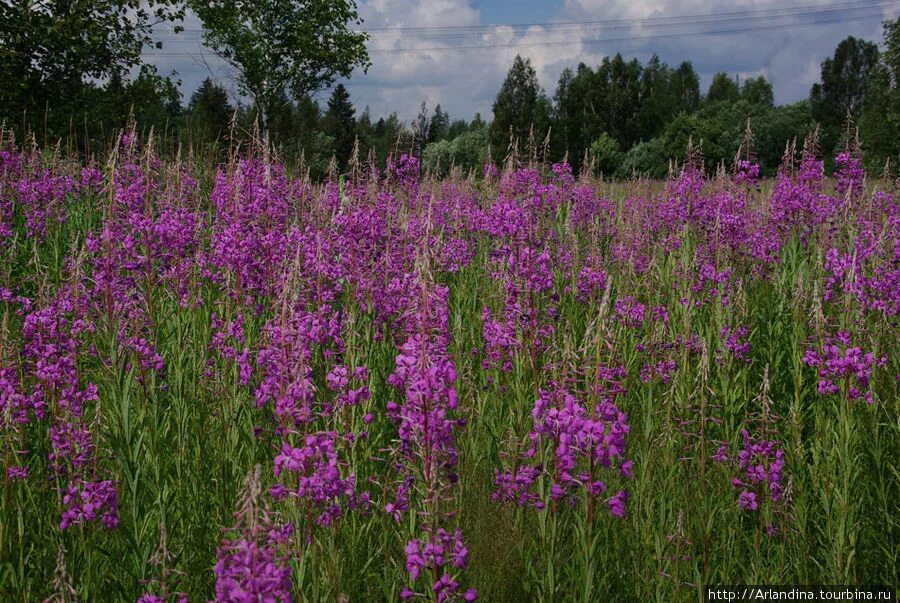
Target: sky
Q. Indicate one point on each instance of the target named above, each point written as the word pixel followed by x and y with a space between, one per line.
pixel 461 66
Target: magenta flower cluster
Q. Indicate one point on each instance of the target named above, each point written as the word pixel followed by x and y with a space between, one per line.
pixel 434 557
pixel 843 368
pixel 761 463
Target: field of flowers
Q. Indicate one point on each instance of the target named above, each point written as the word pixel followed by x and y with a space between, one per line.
pixel 229 383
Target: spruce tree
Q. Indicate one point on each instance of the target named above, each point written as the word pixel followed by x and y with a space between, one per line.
pixel 520 105
pixel 439 125
pixel 340 124
pixel 209 111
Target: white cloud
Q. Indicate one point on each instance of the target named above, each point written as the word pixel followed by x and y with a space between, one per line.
pixel 463 81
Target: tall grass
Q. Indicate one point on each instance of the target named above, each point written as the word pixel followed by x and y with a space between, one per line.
pixel 712 296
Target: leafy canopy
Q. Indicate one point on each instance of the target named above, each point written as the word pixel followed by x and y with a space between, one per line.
pixel 281 45
pixel 50 50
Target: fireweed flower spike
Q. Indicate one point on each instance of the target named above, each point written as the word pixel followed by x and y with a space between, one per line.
pixel 843 369
pixel 393 349
pixel 582 444
pixel 761 463
pixel 253 565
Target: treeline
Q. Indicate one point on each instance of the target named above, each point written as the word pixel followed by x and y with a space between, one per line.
pixel 620 118
pixel 624 117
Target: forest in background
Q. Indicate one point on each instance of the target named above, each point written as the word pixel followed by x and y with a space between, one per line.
pixel 77 78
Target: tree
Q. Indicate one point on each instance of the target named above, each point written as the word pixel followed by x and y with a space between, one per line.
pixel 685 86
pixel 468 151
pixel 307 117
pixel 471 148
pixel 420 126
pixel 309 139
pixel 775 128
pixel 437 157
pixel 278 46
pixel 153 100
pixel 280 121
pixel 340 124
pixel 365 132
pixel 51 51
pixel 645 159
pixel 841 94
pixel 623 98
pixel 457 127
pixel 439 125
pixel 879 123
pixel 665 93
pixel 723 89
pixel 210 112
pixel 519 107
pixel 606 154
pixel 720 127
pixel 389 133
pixel 845 77
pixel 565 113
pixel 758 91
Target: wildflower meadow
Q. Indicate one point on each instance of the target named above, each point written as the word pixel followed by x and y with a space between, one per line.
pixel 224 380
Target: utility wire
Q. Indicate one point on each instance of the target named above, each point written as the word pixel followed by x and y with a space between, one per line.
pixel 842 13
pixel 640 21
pixel 833 12
pixel 593 42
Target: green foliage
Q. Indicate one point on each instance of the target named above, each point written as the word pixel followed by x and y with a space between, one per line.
pixel 468 151
pixel 308 139
pixel 316 150
pixel 53 53
pixel 879 123
pixel 457 127
pixel 845 77
pixel 719 130
pixel 389 134
pixel 775 127
pixel 340 125
pixel 471 148
pixel 420 125
pixel 569 116
pixel 606 154
pixel 439 126
pixel 278 46
pixel 628 101
pixel 841 94
pixel 67 71
pixel 621 81
pixel 154 101
pixel 685 84
pixel 758 91
pixel 521 109
pixel 723 89
pixel 647 158
pixel 437 158
pixel 209 112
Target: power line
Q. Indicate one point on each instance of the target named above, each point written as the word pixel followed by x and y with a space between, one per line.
pixel 642 20
pixel 589 42
pixel 834 12
pixel 637 21
pixel 674 23
pixel 736 30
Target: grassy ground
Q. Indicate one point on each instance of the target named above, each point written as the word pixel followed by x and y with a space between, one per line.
pixel 179 442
